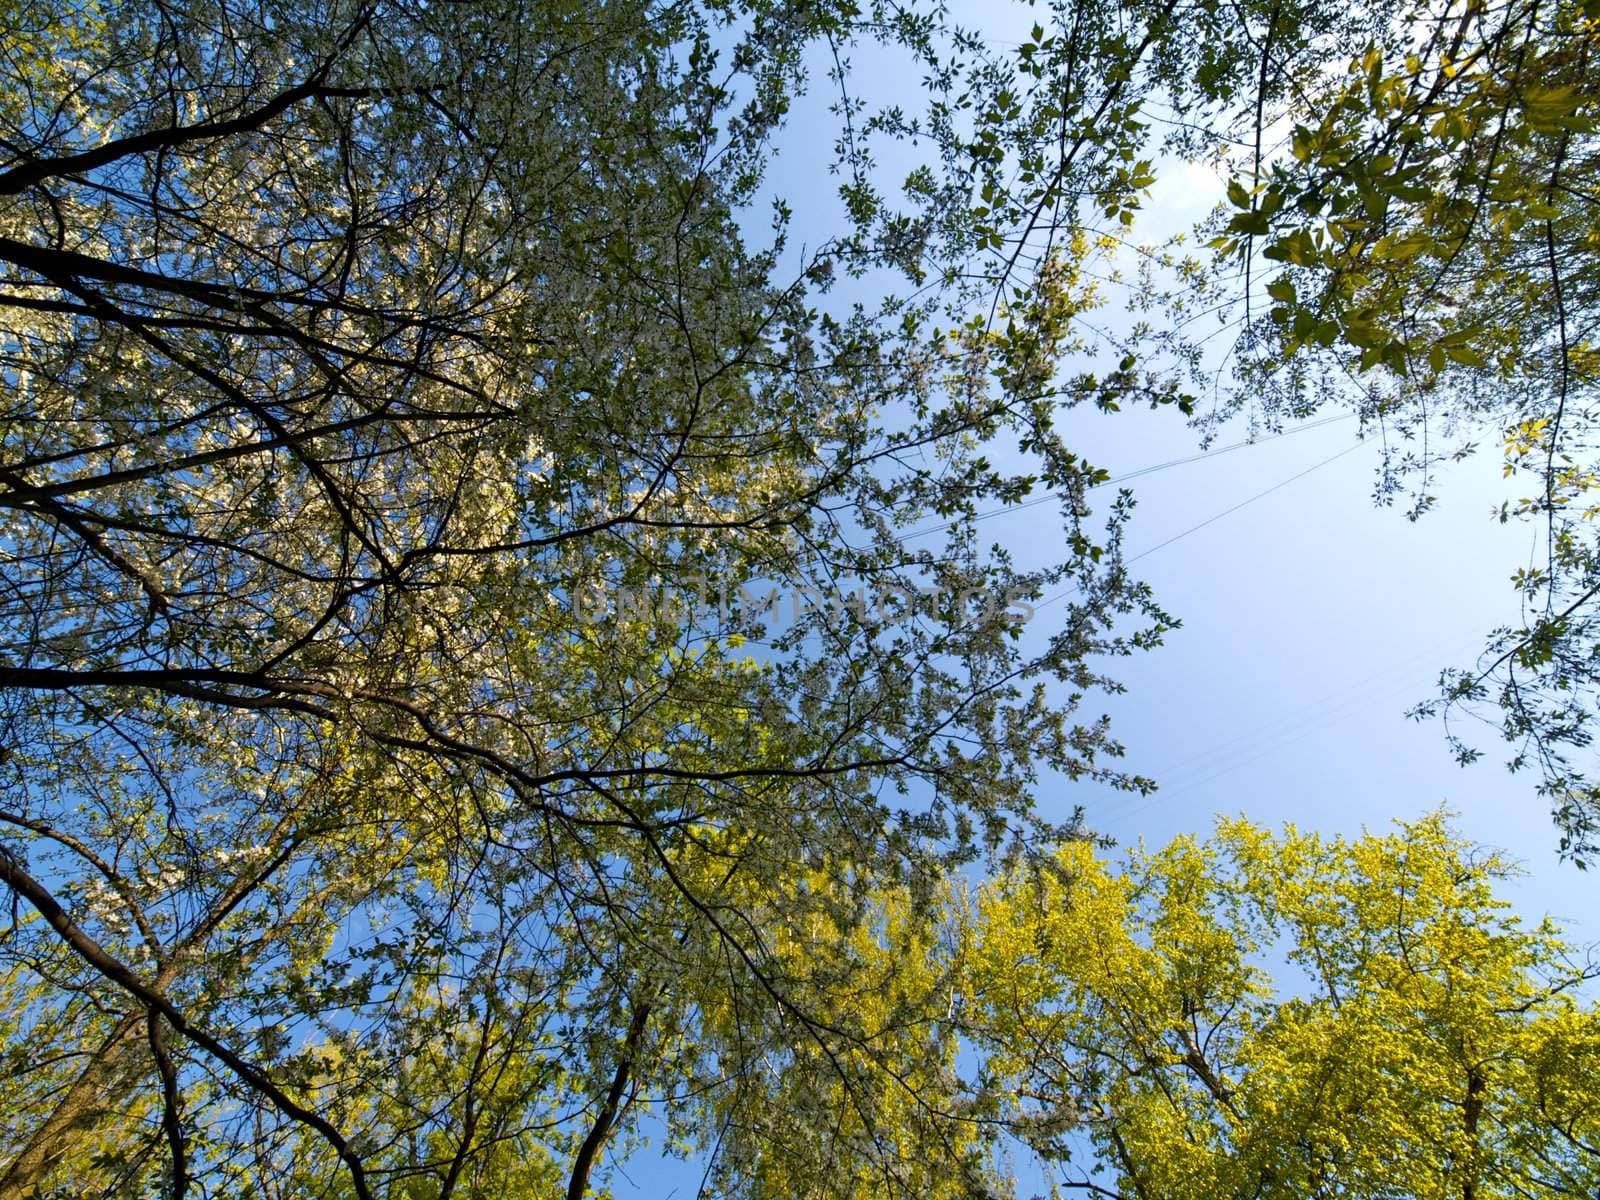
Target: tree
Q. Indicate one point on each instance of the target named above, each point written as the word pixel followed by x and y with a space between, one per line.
pixel 1260 1015
pixel 407 784
pixel 367 833
pixel 1421 207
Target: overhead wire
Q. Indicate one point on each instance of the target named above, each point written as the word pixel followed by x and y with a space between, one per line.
pixel 1212 520
pixel 1272 736
pixel 1215 452
pixel 1297 731
pixel 1333 708
pixel 1219 754
pixel 1262 495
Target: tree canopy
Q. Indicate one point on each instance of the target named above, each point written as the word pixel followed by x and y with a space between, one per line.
pixel 469 697
pixel 1424 215
pixel 1260 1015
pixel 359 361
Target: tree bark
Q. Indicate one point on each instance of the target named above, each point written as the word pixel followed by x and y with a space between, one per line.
pixel 605 1120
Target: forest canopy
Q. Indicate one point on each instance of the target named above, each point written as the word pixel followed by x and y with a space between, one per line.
pixel 360 359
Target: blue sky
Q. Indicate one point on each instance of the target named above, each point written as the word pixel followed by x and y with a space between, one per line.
pixel 1311 618
pixel 1311 622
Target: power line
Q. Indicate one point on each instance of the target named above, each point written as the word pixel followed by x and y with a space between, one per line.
pixel 1282 483
pixel 1135 474
pixel 1258 496
pixel 1221 752
pixel 1311 722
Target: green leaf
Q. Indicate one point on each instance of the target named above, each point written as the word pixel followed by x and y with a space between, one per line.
pixel 1466 356
pixel 1252 224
